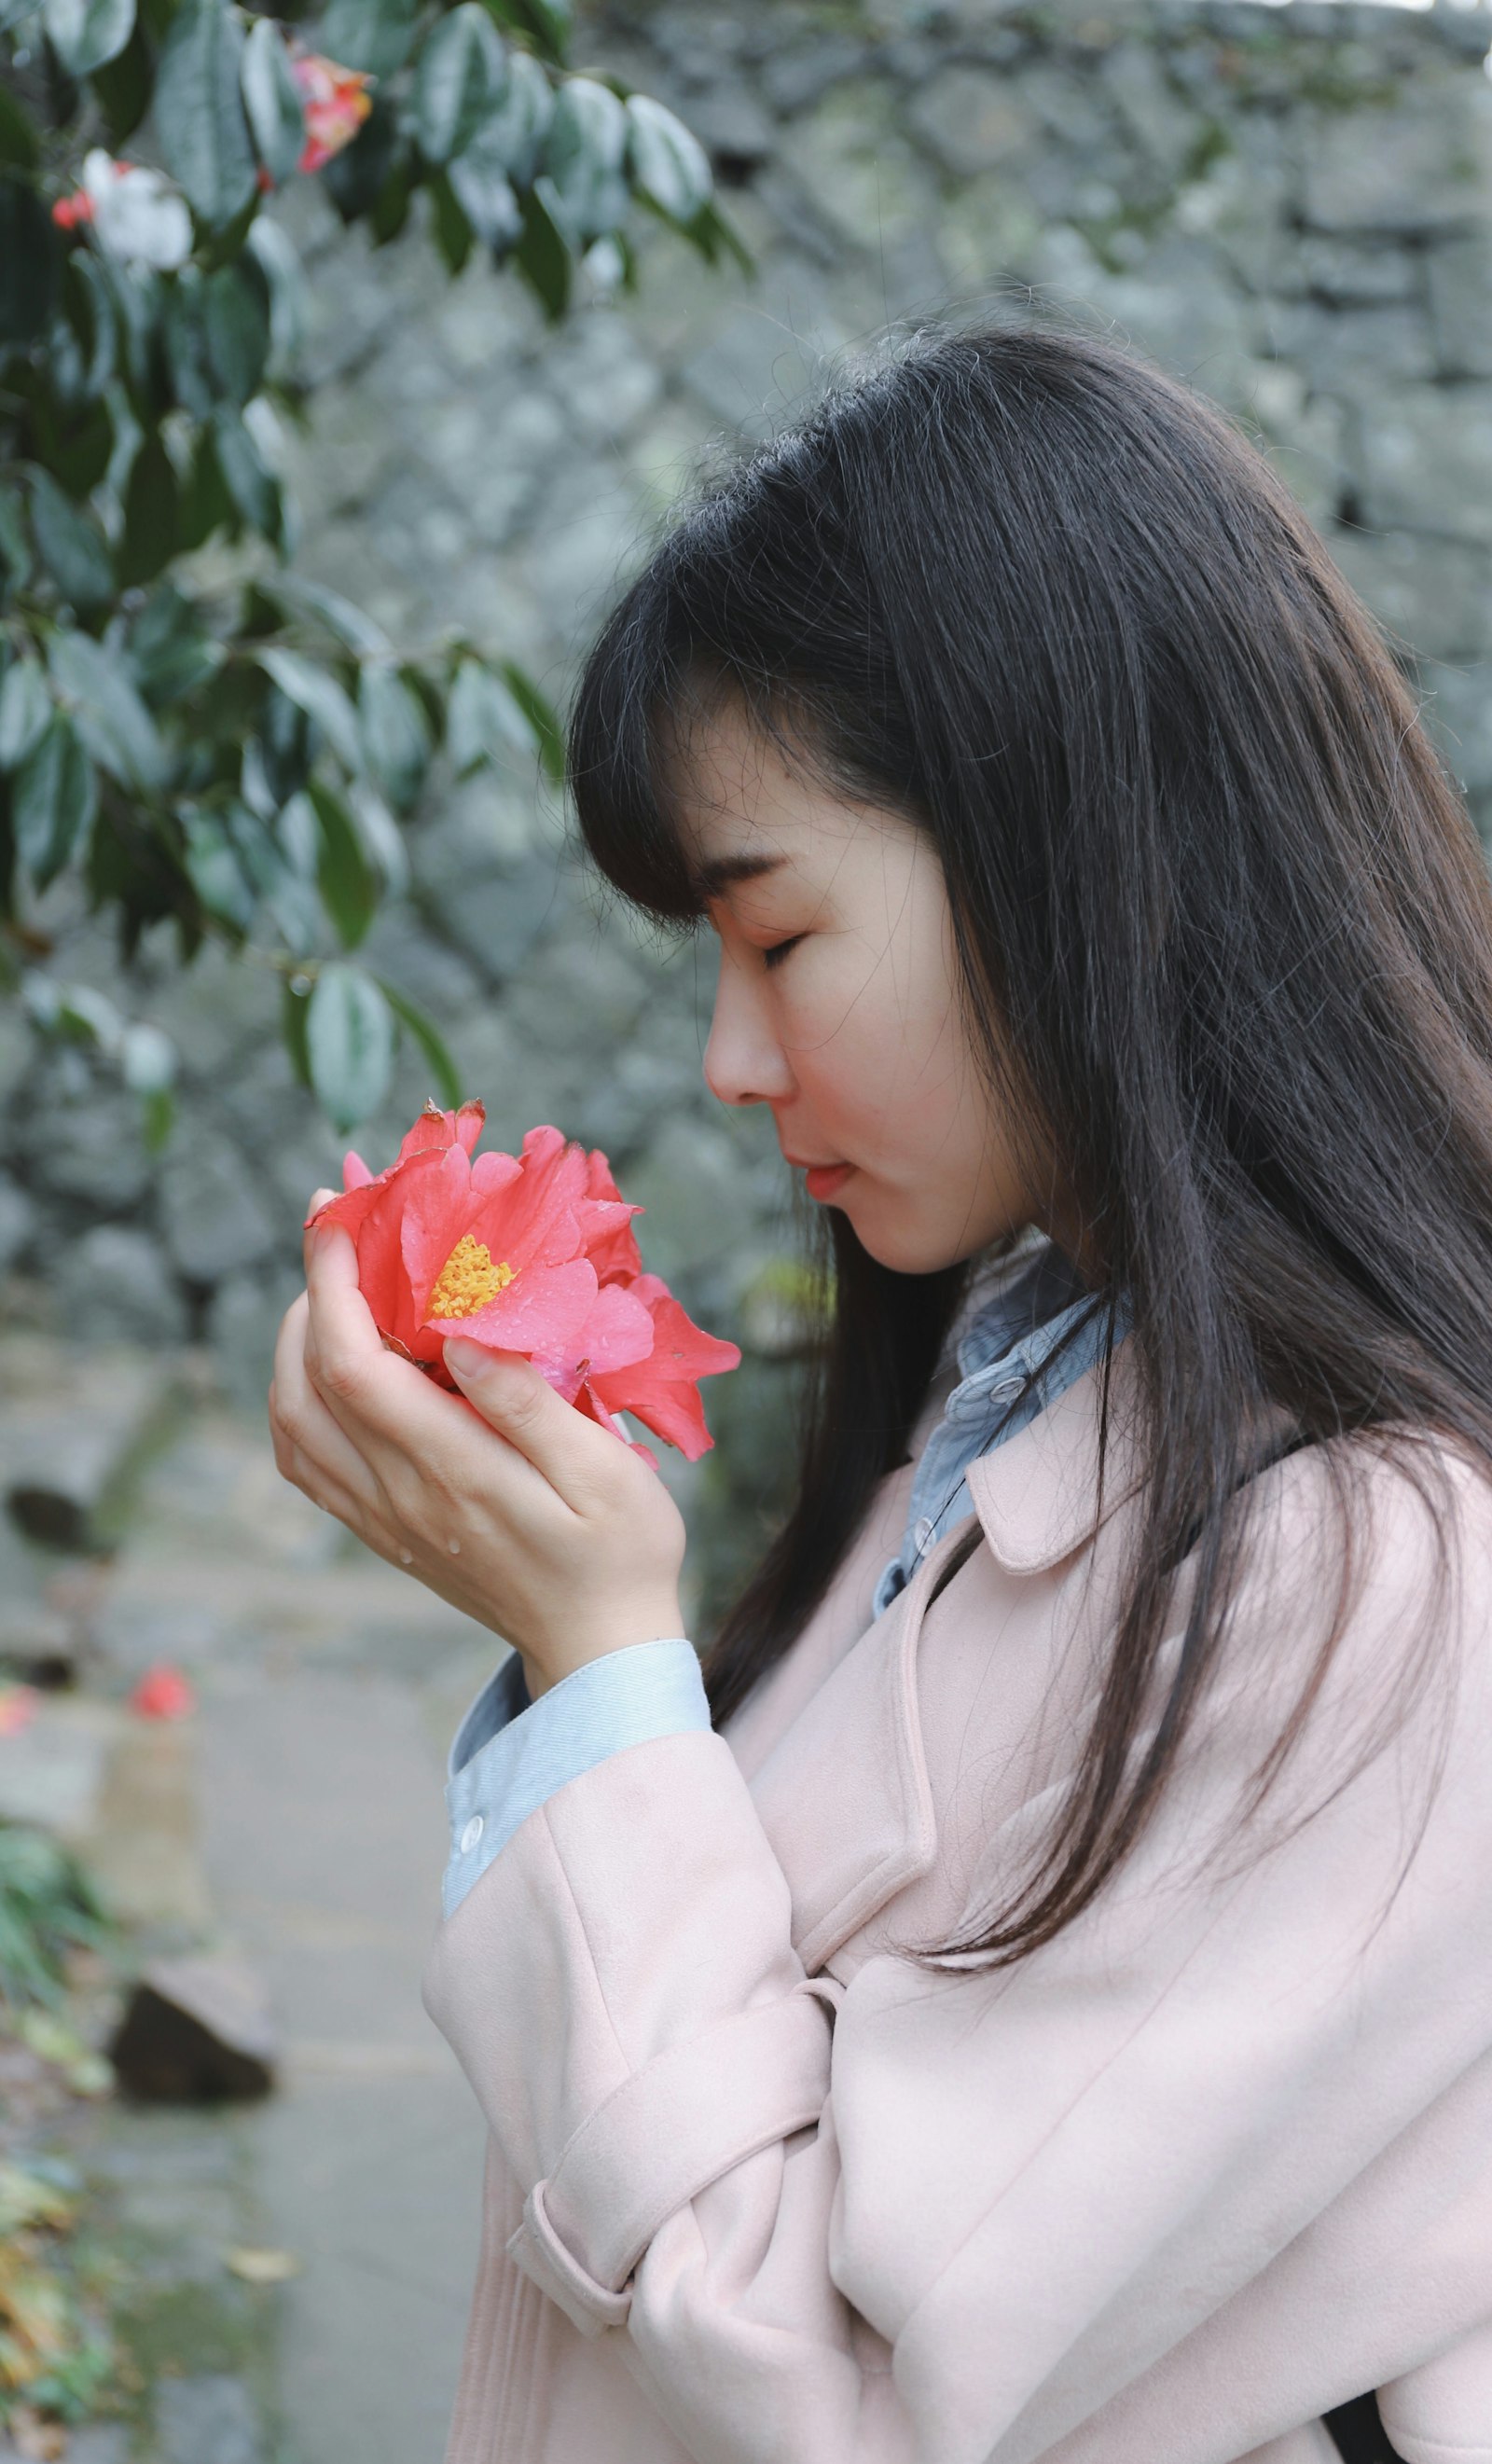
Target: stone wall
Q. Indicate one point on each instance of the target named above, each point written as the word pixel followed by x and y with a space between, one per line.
pixel 1291 206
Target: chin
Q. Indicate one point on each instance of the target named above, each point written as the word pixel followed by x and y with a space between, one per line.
pixel 906 1248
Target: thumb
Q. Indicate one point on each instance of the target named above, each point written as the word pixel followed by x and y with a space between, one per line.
pixel 515 1400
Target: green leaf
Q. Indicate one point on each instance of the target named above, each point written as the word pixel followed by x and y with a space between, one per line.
pixel 25 707
pixel 348 885
pixel 272 99
pixel 206 504
pixel 349 1044
pixel 372 34
pixel 666 161
pixel 31 260
pixel 71 545
pixel 294 1007
pixel 237 320
pixel 215 874
pixel 347 624
pixel 485 721
pixel 272 250
pixel 510 136
pixel 85 34
pixel 20 143
pixel 88 304
pixel 170 649
pixel 460 76
pixel 584 152
pixel 547 21
pixel 152 503
pixel 13 12
pixel 316 692
pixel 390 209
pixel 396 743
pixel 254 490
pixel 53 803
pixel 542 718
pixel 200 113
pixel 75 440
pixel 123 86
pixel 16 552
pixel 355 178
pixel 542 256
pixel 454 233
pixel 106 710
pixel 482 189
pixel 447 1078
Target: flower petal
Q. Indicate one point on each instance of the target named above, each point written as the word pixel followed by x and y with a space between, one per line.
pixel 542 1311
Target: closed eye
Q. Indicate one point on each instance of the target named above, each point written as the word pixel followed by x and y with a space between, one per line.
pixel 779 950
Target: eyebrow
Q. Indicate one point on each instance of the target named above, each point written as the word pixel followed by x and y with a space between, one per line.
pixel 722 872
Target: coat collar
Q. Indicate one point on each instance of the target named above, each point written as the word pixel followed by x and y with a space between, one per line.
pixel 842 1793
pixel 1038 1496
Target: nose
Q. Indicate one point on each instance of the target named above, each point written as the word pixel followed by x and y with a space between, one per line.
pixel 744 1061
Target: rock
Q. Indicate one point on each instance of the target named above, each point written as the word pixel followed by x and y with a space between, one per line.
pixel 1419 166
pixel 71 1426
pixel 195 2028
pixel 735 131
pixel 115 1284
pixel 794 79
pixel 1461 305
pixel 971 119
pixel 1427 460
pixel 244 1322
pixel 206 2421
pixel 93 1153
pixel 17 1217
pixel 216 1218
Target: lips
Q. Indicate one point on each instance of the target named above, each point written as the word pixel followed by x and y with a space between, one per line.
pixel 822 1180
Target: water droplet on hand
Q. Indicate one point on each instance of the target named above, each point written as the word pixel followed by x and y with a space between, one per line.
pixel 454 1546
pixel 406 1556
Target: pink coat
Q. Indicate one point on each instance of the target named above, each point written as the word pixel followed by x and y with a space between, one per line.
pixel 761 2191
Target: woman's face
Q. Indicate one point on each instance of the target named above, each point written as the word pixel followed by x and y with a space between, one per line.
pixel 839 1005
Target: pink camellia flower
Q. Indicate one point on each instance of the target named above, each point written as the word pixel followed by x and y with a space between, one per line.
pixel 659 1387
pixel 532 1254
pixel 163 1693
pixel 337 102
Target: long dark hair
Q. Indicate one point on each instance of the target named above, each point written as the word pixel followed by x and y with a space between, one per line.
pixel 1223 923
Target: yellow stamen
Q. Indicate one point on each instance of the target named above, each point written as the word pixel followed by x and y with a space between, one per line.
pixel 469 1280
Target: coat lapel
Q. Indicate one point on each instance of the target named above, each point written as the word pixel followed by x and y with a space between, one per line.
pixel 842 1793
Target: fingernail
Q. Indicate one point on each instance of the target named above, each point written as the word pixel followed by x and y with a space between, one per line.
pixel 466 1359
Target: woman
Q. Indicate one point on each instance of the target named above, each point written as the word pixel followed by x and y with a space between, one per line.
pixel 1038 2003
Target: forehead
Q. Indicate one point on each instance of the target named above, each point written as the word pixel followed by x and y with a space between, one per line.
pixel 745 802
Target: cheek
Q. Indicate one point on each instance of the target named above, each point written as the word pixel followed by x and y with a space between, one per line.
pixel 877 1038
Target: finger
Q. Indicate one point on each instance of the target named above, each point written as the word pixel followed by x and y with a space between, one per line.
pixel 513 1399
pixel 301 1420
pixel 318 1199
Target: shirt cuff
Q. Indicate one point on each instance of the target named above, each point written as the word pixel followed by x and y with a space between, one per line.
pixel 506 1758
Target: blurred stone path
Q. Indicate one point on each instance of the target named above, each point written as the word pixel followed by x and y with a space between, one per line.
pixel 328 1688
pixel 329 1685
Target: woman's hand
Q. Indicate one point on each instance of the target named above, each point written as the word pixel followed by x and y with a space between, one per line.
pixel 504 1500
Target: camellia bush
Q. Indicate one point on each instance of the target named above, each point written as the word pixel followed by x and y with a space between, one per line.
pixel 235 764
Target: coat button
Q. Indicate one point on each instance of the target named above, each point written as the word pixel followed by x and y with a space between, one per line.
pixel 472 1834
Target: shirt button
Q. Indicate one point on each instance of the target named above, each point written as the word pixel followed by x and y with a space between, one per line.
pixel 924 1531
pixel 472 1834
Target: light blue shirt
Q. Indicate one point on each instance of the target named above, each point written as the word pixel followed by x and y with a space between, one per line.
pixel 1032 1338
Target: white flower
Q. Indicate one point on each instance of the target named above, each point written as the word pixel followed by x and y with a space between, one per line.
pixel 138 216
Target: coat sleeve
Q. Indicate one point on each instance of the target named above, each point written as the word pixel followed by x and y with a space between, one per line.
pixel 985 2218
